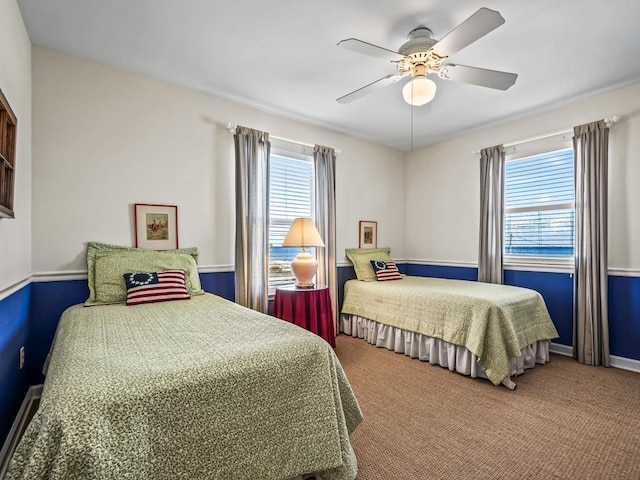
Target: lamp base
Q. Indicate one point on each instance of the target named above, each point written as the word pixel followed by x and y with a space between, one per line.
pixel 304 268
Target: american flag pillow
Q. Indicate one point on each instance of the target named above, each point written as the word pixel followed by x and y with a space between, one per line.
pixel 385 270
pixel 155 287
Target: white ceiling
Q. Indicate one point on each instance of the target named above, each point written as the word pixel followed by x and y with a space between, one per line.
pixel 281 55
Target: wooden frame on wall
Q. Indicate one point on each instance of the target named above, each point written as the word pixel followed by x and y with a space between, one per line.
pixel 8 134
pixel 156 226
pixel 368 234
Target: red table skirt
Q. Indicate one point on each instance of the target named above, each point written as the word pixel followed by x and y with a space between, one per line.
pixel 309 309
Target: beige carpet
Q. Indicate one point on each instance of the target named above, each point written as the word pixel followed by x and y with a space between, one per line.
pixel 564 420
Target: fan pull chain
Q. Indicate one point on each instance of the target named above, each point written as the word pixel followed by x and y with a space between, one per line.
pixel 412 107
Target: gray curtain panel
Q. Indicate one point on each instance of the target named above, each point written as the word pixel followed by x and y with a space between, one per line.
pixel 252 150
pixel 325 202
pixel 590 318
pixel 491 214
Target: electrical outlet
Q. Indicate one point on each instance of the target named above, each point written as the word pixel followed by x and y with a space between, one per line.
pixel 21 357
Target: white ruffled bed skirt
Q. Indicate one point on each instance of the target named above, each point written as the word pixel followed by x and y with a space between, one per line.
pixel 436 351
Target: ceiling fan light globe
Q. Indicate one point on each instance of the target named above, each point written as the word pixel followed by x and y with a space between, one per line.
pixel 419 91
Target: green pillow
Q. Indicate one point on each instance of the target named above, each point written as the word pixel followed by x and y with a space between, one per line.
pixel 361 259
pixel 106 262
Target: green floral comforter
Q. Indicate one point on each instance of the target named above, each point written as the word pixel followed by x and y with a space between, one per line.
pixel 193 389
pixel 493 321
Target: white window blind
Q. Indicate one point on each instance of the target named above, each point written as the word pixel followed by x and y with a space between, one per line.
pixel 539 205
pixel 291 195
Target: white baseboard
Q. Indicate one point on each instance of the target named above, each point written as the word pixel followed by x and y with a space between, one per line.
pixel 625 363
pixel 18 427
pixel 565 350
pixel 616 362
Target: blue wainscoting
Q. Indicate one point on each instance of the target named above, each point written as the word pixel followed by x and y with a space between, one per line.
pixel 557 291
pixel 442 271
pixel 344 274
pixel 219 283
pixel 624 316
pixel 14 333
pixel 48 301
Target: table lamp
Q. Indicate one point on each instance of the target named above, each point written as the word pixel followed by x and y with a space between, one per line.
pixel 303 233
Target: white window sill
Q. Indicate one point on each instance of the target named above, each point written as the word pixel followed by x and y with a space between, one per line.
pixel 540 264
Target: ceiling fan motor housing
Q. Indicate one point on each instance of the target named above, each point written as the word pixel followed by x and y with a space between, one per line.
pixel 420 39
pixel 419 58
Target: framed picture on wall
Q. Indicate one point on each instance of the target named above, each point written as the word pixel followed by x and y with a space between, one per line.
pixel 156 226
pixel 368 234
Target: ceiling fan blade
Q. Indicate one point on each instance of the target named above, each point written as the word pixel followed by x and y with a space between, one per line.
pixel 473 28
pixel 370 49
pixel 361 92
pixel 478 76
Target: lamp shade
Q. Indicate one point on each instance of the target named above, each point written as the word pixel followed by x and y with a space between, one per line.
pixel 303 233
pixel 419 90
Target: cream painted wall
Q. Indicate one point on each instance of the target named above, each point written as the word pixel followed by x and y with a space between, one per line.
pixel 105 139
pixel 15 82
pixel 442 181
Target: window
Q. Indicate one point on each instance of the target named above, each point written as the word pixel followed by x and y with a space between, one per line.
pixel 539 205
pixel 8 124
pixel 291 195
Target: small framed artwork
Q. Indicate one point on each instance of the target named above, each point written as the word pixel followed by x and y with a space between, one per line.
pixel 368 234
pixel 156 226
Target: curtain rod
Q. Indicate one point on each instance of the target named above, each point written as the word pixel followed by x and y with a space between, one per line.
pixel 607 121
pixel 231 128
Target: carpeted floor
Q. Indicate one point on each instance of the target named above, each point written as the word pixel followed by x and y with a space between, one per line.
pixel 564 420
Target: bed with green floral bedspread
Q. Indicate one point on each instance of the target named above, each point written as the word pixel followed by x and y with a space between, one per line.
pixel 193 389
pixel 495 322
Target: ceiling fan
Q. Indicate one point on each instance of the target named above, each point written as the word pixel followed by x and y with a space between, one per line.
pixel 422 55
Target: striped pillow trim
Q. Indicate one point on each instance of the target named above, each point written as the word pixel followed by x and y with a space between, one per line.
pixel 385 270
pixel 156 287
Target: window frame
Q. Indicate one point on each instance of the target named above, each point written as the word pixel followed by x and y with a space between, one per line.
pixel 295 152
pixel 528 148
